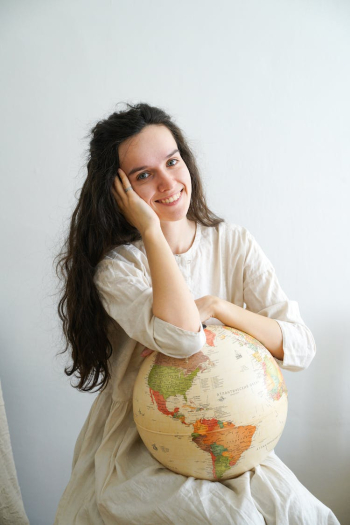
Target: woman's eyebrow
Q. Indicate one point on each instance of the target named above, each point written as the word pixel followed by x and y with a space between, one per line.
pixel 134 170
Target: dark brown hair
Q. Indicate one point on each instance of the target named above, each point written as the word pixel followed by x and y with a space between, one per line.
pixel 95 228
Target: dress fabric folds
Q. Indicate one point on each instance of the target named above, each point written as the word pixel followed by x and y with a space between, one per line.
pixel 11 503
pixel 114 478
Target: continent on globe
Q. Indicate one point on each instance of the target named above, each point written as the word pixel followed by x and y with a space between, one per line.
pixel 171 377
pixel 224 441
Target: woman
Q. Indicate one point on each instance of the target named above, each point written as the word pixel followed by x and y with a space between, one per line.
pixel 146 263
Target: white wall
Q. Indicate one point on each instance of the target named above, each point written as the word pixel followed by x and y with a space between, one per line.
pixel 261 89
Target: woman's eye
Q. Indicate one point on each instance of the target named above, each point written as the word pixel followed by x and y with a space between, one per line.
pixel 145 175
pixel 140 177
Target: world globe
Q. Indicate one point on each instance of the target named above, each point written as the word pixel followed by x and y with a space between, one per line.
pixel 216 414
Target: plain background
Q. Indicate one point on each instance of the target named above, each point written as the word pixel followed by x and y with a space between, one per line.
pixel 261 90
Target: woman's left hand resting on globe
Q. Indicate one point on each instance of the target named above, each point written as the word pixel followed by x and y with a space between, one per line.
pixel 264 329
pixel 172 301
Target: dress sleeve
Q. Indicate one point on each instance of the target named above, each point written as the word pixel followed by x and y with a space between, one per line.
pixel 263 295
pixel 125 290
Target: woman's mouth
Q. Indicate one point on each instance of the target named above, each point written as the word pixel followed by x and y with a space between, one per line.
pixel 173 200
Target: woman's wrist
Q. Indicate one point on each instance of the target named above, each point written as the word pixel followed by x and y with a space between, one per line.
pixel 151 232
pixel 216 306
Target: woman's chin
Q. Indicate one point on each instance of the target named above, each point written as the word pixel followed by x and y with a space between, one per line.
pixel 173 215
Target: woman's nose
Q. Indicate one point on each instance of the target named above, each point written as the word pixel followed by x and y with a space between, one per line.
pixel 165 180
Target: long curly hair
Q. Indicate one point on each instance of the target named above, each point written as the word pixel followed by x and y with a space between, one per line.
pixel 96 227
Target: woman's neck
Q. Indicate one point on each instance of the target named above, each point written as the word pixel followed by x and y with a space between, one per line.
pixel 179 234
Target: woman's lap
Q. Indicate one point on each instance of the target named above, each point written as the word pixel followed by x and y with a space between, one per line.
pixel 282 499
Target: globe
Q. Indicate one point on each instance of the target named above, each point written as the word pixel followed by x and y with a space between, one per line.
pixel 213 415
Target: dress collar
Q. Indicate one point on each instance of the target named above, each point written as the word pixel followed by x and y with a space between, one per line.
pixel 181 256
pixel 191 251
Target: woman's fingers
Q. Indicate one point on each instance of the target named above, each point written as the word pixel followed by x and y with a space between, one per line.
pixel 120 183
pixel 136 211
pixel 117 185
pixel 125 204
pixel 124 180
pixel 206 307
pixel 146 351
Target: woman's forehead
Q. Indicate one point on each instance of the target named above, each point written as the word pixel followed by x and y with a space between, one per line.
pixel 152 144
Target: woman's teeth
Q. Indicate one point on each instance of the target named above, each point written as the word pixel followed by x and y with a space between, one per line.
pixel 172 199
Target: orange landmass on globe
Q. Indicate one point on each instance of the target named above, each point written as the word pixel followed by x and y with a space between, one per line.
pixel 223 440
pixel 210 337
pixel 243 336
pixel 161 405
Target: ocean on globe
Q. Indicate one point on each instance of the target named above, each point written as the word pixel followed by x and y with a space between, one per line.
pixel 215 414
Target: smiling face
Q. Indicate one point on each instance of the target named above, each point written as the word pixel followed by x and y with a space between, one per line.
pixel 157 172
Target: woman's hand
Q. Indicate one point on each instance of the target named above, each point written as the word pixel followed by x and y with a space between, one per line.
pixel 136 211
pixel 146 352
pixel 207 307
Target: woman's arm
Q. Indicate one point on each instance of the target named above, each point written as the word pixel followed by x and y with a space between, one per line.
pixel 266 305
pixel 172 300
pixel 264 329
pixel 124 285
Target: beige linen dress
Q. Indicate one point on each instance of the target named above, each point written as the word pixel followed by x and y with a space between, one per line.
pixel 114 478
